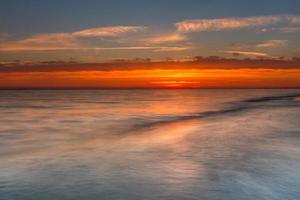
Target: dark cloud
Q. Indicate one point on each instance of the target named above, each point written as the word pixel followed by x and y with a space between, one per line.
pixel 212 62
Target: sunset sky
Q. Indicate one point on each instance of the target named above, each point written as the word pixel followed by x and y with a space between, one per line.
pixel 150 44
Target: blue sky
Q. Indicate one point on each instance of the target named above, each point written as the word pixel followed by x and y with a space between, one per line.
pixel 23 20
pixel 33 16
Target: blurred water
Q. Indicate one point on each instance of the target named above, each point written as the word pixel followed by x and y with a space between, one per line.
pixel 150 144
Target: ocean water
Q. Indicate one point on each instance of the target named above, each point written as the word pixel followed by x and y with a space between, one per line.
pixel 150 144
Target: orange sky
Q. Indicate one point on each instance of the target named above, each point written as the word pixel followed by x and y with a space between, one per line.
pixel 212 72
pixel 156 78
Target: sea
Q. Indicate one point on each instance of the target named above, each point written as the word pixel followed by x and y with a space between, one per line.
pixel 219 144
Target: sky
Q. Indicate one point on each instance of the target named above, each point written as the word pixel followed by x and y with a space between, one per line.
pixel 149 44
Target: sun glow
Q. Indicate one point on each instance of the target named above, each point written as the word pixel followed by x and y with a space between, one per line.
pixel 154 78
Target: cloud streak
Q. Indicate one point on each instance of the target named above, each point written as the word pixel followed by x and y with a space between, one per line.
pixel 272 43
pixel 71 41
pixel 153 48
pixel 42 42
pixel 111 31
pixel 202 25
pixel 166 38
pixel 247 53
pixel 23 46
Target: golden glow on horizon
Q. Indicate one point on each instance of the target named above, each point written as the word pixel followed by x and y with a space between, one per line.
pixel 159 78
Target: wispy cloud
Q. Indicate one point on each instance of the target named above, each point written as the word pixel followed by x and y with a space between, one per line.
pixel 153 48
pixel 166 38
pixel 72 41
pixel 285 29
pixel 272 43
pixel 38 44
pixel 110 31
pixel 247 53
pixel 51 41
pixel 200 25
pixel 65 41
pixel 168 49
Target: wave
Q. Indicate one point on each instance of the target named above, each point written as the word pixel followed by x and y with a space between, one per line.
pixel 238 106
pixel 273 98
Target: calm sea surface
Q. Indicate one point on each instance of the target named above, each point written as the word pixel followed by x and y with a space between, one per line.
pixel 150 144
